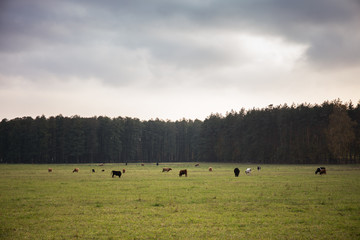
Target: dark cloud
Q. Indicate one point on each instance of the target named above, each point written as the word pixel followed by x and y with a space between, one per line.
pixel 108 39
pixel 326 26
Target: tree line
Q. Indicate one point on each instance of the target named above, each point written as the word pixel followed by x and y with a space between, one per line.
pixel 296 134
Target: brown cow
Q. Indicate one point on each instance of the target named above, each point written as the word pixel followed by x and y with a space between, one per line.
pixel 210 169
pixel 183 172
pixel 76 170
pixel 166 169
pixel 142 164
pixel 123 170
pixel 196 165
pixel 50 170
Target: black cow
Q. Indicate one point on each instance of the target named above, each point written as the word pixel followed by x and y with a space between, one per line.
pixel 116 173
pixel 93 170
pixel 183 172
pixel 320 170
pixel 236 171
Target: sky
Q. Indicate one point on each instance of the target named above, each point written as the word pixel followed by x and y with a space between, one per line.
pixel 175 59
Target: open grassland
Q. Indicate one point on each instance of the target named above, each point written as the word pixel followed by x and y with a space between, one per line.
pixel 278 202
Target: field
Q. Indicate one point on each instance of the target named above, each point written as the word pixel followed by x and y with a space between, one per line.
pixel 278 202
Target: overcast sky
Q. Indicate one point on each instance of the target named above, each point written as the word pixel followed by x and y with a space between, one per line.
pixel 175 59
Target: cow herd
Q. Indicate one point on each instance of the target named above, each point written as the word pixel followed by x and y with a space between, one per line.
pixel 247 171
pixel 320 170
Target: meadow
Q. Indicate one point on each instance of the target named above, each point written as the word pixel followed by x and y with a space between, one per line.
pixel 278 202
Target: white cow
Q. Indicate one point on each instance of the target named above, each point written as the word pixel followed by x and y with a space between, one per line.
pixel 247 171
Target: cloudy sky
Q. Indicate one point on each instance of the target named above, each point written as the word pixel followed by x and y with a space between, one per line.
pixel 175 59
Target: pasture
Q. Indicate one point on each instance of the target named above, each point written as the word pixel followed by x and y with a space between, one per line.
pixel 278 202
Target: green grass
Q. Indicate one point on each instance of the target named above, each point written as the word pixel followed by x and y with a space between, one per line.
pixel 279 202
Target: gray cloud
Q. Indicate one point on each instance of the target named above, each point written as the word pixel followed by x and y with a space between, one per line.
pixel 328 27
pixel 120 41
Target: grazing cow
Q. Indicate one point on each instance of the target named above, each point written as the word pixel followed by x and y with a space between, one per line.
pixel 196 165
pixel 103 170
pixel 76 170
pixel 93 170
pixel 248 170
pixel 50 170
pixel 116 173
pixel 210 169
pixel 142 164
pixel 258 168
pixel 320 170
pixel 166 169
pixel 123 170
pixel 236 171
pixel 183 172
pixel 101 164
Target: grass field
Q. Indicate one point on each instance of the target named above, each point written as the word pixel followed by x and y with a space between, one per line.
pixel 278 202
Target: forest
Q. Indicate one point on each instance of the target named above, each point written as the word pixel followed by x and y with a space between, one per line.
pixel 328 133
